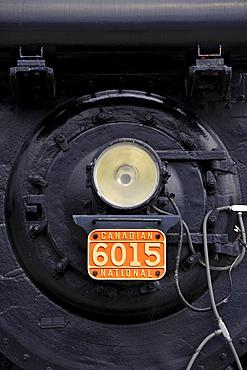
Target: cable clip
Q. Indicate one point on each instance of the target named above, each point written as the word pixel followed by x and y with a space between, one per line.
pixel 225 332
pixel 239 208
pixel 237 229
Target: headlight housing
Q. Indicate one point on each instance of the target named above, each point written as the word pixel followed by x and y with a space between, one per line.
pixel 127 174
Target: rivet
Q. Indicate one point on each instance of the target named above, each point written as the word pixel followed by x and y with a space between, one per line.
pixel 95 236
pixel 149 118
pixel 101 116
pixel 228 105
pixel 204 105
pixel 157 273
pixel 5 341
pixel 35 178
pixel 189 141
pixel 95 273
pixel 25 357
pixel 157 236
pixel 194 164
pixel 242 340
pixel 60 138
pixel 200 367
pixel 223 356
pixel 151 285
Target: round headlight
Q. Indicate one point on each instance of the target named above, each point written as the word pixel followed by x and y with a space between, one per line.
pixel 127 174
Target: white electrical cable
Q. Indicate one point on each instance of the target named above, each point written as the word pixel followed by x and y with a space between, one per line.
pixel 222 327
pixel 220 322
pixel 176 275
pixel 237 260
pixel 200 347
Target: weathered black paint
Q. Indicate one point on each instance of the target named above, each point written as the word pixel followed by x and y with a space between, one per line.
pixel 122 23
pixel 120 69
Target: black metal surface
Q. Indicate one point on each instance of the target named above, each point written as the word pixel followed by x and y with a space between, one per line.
pixel 67 193
pixel 89 223
pixel 122 23
pixel 51 249
pixel 120 70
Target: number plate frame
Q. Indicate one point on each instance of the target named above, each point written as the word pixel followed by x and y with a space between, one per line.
pixel 126 254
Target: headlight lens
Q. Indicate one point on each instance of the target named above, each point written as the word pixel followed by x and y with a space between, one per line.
pixel 127 174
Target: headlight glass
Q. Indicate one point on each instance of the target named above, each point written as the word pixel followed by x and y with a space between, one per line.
pixel 127 174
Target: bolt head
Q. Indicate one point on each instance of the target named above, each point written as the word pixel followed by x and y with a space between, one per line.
pixel 36 228
pixel 101 116
pixel 243 340
pixel 189 141
pixel 149 118
pixel 212 182
pixel 59 266
pixel 212 219
pixel 190 259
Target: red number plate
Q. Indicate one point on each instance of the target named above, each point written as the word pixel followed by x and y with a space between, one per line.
pixel 115 254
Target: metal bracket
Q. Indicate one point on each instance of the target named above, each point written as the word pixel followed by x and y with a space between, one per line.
pixel 37 180
pixel 34 205
pixel 37 228
pixel 197 238
pixel 209 74
pixel 62 142
pixel 190 261
pixel 31 77
pixel 150 287
pixel 91 222
pixel 61 267
pixel 230 249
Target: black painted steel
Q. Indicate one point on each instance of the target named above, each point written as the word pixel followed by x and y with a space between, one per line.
pixel 124 24
pixel 51 248
pixel 120 70
pixel 43 238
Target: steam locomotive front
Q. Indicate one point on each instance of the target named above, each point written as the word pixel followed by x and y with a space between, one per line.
pixel 123 185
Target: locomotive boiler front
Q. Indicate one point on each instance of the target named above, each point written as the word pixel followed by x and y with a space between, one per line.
pixel 123 185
